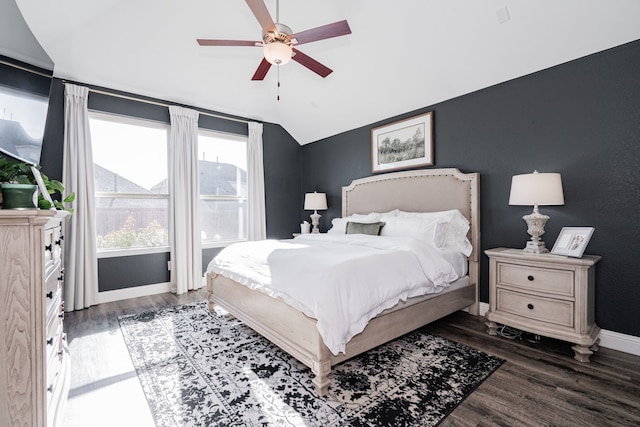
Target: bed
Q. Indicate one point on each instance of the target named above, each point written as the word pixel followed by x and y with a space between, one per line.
pixel 428 190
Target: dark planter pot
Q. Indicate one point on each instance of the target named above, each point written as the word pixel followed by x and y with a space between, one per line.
pixel 19 196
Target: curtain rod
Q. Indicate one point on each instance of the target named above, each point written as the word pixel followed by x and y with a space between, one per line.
pixel 160 104
pixel 20 67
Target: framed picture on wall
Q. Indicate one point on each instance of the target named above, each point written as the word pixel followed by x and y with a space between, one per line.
pixel 403 144
pixel 572 241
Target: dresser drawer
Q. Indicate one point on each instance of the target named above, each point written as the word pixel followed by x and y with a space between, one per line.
pixel 552 281
pixel 547 310
pixel 52 247
pixel 54 365
pixel 53 291
pixel 54 331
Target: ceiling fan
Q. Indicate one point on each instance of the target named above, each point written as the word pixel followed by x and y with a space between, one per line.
pixel 278 41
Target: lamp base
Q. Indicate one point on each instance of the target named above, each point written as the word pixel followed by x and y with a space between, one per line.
pixel 315 221
pixel 535 247
pixel 535 227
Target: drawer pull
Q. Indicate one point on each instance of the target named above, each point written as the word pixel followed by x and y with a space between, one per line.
pixel 530 306
pixel 50 389
pixel 58 242
pixel 48 248
pixel 50 294
pixel 61 315
pixel 60 278
pixel 530 278
pixel 50 341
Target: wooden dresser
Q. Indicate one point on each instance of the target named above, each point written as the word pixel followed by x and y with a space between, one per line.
pixel 34 362
pixel 544 294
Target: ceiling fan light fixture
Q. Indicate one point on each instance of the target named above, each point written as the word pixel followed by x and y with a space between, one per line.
pixel 277 53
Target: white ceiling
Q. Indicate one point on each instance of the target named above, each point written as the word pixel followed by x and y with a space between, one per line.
pixel 401 56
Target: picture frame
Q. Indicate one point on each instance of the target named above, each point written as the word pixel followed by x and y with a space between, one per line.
pixel 572 241
pixel 403 144
pixel 41 186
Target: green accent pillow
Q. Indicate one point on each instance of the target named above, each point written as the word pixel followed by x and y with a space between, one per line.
pixel 372 229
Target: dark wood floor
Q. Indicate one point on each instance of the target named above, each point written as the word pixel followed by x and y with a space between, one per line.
pixel 540 384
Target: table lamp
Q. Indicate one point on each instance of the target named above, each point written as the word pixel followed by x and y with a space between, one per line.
pixel 314 202
pixel 534 189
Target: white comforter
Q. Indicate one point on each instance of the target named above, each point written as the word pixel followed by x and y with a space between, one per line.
pixel 343 281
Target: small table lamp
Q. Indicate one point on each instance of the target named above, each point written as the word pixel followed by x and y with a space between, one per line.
pixel 314 202
pixel 535 189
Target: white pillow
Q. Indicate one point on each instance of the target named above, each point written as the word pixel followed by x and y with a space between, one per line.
pixel 419 228
pixel 339 225
pixel 454 233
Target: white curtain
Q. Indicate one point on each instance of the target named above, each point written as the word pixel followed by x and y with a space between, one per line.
pixel 257 219
pixel 184 199
pixel 81 259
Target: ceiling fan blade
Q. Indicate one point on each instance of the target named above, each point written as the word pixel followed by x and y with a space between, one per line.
pixel 328 31
pixel 311 64
pixel 261 13
pixel 209 42
pixel 262 70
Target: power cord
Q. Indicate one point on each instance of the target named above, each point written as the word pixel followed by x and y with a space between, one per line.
pixel 509 332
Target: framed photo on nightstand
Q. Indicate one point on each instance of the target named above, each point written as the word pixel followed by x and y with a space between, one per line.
pixel 572 241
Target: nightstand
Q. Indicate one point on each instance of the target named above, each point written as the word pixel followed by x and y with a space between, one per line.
pixel 544 294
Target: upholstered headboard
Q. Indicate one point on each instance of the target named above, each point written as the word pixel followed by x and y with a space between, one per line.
pixel 426 190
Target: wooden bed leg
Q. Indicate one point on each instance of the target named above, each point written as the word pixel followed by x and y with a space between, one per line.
pixel 321 372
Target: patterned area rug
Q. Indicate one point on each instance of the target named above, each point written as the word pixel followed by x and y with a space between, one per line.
pixel 199 368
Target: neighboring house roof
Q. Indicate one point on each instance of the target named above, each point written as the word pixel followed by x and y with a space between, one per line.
pixel 220 179
pixel 106 181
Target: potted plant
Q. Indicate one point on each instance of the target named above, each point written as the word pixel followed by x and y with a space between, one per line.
pixel 19 185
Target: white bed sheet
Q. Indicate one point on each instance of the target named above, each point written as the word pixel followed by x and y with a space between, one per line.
pixel 342 281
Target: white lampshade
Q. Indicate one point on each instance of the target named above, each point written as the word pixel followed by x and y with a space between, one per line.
pixel 277 53
pixel 315 201
pixel 535 188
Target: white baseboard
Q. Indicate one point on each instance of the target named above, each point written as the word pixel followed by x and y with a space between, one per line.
pixel 608 339
pixel 135 292
pixel 620 342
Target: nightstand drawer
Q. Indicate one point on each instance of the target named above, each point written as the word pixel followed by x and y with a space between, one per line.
pixel 559 282
pixel 557 312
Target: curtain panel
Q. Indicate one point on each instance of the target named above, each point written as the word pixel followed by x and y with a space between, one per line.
pixel 184 199
pixel 81 258
pixel 257 218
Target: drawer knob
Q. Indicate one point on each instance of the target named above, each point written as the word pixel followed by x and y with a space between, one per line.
pixel 50 389
pixel 48 248
pixel 530 278
pixel 50 341
pixel 530 306
pixel 50 294
pixel 58 242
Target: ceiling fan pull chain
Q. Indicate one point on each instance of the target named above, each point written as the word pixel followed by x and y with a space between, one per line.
pixel 278 97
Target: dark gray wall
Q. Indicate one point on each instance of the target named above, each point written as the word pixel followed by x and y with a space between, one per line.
pixel 581 119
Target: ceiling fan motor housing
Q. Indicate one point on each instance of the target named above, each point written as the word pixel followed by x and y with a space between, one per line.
pixel 282 35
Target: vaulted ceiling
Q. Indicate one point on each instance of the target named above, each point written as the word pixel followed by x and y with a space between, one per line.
pixel 401 56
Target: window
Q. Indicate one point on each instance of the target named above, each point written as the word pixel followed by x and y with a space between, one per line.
pixel 130 179
pixel 223 187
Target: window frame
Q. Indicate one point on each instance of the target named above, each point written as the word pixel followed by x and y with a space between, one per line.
pixel 134 121
pixel 208 244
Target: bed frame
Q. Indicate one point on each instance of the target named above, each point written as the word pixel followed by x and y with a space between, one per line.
pixel 414 191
